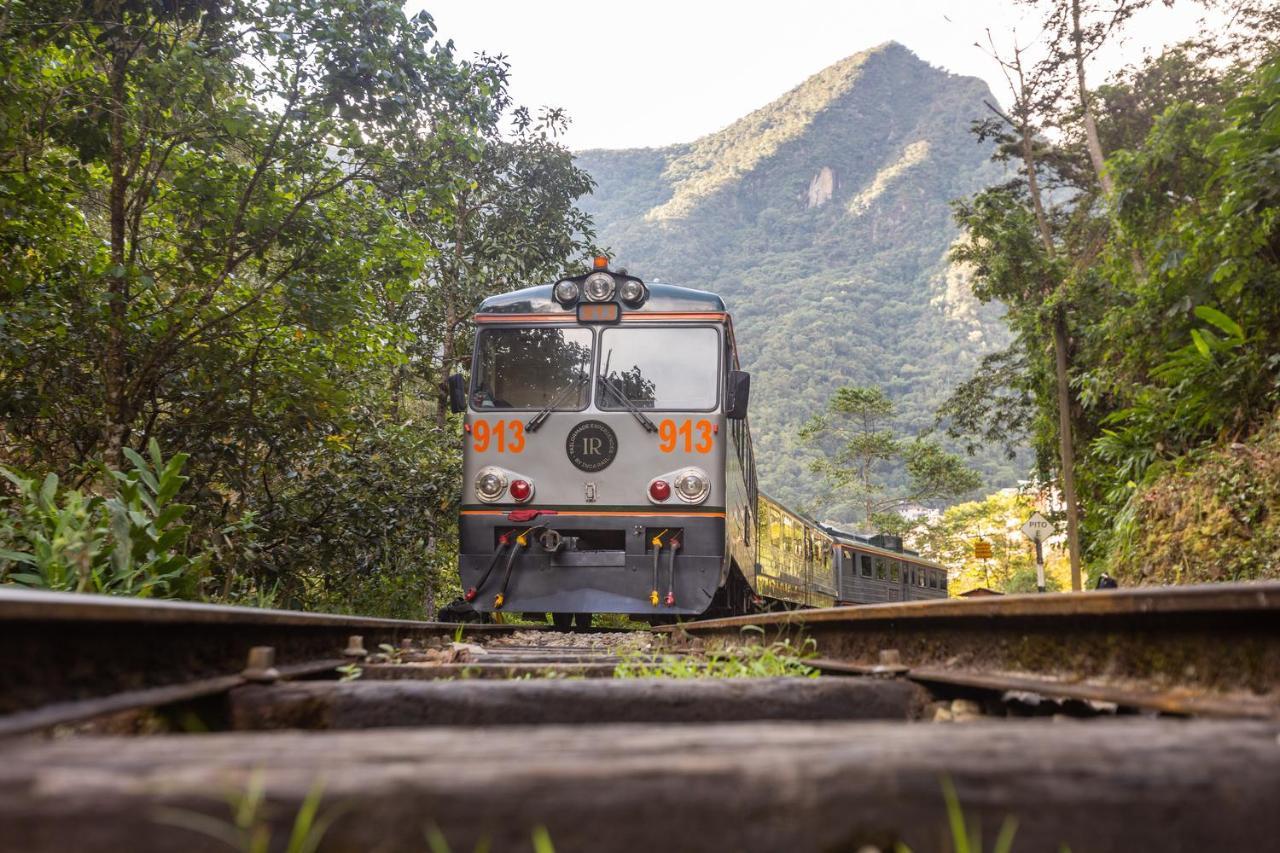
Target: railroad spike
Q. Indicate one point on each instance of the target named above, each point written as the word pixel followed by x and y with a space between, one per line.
pixel 355 647
pixel 261 665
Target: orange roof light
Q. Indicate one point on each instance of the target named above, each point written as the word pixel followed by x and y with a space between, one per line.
pixel 600 263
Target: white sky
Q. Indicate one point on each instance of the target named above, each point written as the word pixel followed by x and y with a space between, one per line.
pixel 655 72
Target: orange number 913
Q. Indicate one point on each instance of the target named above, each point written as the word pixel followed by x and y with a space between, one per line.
pixel 507 435
pixel 670 435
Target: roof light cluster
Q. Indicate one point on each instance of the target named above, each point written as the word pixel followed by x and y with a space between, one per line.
pixel 601 285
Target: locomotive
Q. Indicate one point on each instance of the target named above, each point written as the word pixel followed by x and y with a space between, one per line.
pixel 608 467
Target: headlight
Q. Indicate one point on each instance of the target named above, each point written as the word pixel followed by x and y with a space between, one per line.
pixel 598 287
pixel 566 291
pixel 491 483
pixel 631 291
pixel 692 486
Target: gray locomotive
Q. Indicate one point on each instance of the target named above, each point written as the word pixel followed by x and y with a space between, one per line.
pixel 608 467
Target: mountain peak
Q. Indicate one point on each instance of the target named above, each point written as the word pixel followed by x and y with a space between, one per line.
pixel 824 219
pixel 718 159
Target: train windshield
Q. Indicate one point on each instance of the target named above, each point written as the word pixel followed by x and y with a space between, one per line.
pixel 532 369
pixel 659 368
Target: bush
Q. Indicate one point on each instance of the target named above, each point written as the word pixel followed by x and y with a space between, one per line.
pixel 1213 516
pixel 130 542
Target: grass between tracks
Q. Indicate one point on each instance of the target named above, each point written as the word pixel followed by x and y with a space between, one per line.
pixel 783 657
pixel 250 829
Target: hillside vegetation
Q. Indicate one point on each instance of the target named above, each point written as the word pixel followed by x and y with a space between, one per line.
pixel 824 220
pixel 1137 253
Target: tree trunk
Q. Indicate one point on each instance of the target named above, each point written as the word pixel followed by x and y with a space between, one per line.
pixel 115 362
pixel 1096 155
pixel 429 606
pixel 1066 446
pixel 1061 359
pixel 1090 124
pixel 447 357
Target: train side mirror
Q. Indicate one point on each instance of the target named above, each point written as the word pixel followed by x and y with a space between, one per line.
pixel 456 385
pixel 738 395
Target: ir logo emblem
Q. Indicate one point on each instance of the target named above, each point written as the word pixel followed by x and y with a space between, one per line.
pixel 591 446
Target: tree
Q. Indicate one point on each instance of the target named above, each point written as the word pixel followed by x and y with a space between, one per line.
pixel 858 447
pixel 213 221
pixel 997 520
pixel 1012 241
pixel 1128 263
pixel 510 220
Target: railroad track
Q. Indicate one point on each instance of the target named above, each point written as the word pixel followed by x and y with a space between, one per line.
pixel 1210 650
pixel 1154 713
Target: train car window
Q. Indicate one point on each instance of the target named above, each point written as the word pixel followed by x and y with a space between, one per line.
pixel 667 368
pixel 866 565
pixel 882 568
pixel 532 368
pixel 894 568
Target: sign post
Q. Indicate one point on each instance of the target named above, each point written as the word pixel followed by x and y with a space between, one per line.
pixel 1037 529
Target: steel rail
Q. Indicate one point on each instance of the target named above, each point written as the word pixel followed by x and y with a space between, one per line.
pixel 1211 650
pixel 68 656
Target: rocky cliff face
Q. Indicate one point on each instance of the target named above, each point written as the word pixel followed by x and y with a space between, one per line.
pixel 824 220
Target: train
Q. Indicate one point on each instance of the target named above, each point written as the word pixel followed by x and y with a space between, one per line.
pixel 608 468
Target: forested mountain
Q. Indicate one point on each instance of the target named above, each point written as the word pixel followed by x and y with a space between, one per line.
pixel 824 220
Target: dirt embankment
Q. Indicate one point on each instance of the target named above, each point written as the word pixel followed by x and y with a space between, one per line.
pixel 1215 518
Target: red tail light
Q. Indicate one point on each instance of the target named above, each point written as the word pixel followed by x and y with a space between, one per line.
pixel 521 490
pixel 659 490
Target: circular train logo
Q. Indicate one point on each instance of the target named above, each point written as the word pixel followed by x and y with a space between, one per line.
pixel 591 446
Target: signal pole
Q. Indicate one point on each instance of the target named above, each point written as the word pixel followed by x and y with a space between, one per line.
pixel 1038 529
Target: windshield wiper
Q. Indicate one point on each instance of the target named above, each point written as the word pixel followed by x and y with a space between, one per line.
pixel 536 421
pixel 628 405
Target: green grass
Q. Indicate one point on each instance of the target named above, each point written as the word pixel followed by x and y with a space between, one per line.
pixel 249 830
pixel 966 836
pixel 780 658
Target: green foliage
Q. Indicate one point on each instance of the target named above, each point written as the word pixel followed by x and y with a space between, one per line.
pixel 1168 284
pixel 996 519
pixel 1201 360
pixel 250 829
pixel 131 542
pixel 1212 515
pixel 857 449
pixel 966 836
pixel 249 230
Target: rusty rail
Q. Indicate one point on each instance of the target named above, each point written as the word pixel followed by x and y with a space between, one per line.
pixel 1208 650
pixel 70 656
